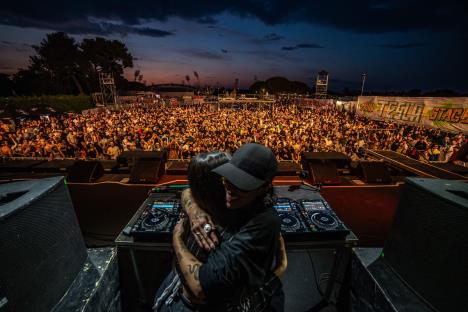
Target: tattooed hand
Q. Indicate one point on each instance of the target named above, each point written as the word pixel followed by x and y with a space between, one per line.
pixel 198 219
pixel 178 232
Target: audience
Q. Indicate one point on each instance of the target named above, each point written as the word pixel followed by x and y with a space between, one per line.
pixel 185 132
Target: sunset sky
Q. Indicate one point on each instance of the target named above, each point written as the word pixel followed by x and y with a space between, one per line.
pixel 401 45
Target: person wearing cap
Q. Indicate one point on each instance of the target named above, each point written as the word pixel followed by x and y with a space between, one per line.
pixel 206 192
pixel 238 274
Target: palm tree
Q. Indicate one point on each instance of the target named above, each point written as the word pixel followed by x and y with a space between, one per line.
pixel 136 74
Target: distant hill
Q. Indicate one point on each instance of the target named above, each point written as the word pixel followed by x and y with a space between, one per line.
pixel 279 85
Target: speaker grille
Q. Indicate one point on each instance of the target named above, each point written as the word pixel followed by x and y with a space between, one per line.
pixel 147 170
pixel 428 245
pixel 323 172
pixel 85 171
pixel 42 250
pixel 375 171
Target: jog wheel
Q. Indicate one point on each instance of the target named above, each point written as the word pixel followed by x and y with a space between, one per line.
pixel 289 222
pixel 155 219
pixel 324 220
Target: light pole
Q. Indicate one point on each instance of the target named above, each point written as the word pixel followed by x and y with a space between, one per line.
pixel 363 82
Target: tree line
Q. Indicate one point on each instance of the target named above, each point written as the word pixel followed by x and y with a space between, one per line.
pixel 61 65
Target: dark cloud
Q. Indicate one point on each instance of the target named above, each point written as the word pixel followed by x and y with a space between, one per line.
pixel 224 50
pixel 261 55
pixel 18 46
pixel 84 26
pixel 400 45
pixel 309 46
pixel 366 16
pixel 207 20
pixel 302 46
pixel 4 42
pixel 269 38
pixel 203 54
pixel 109 28
pixel 272 37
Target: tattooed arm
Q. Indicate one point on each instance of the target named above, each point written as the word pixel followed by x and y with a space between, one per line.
pixel 198 218
pixel 189 205
pixel 189 265
pixel 282 259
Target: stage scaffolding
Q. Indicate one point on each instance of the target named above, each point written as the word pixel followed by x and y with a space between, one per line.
pixel 108 90
pixel 321 85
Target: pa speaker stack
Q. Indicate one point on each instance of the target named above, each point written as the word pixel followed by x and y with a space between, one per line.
pixel 85 171
pixel 323 166
pixel 374 172
pixel 41 244
pixel 424 264
pixel 45 265
pixel 146 167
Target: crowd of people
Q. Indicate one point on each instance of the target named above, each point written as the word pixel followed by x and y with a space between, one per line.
pixel 185 132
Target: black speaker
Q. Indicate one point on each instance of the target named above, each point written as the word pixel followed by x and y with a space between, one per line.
pixel 323 166
pixel 340 159
pixel 55 165
pixel 428 243
pixel 84 171
pixel 128 158
pixel 41 246
pixel 323 172
pixel 374 172
pixel 148 169
pixel 288 168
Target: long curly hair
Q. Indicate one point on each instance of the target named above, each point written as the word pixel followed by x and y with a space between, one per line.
pixel 207 187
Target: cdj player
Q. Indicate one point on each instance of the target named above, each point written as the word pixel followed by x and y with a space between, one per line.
pixel 322 219
pixel 292 222
pixel 304 218
pixel 169 189
pixel 159 215
pixel 308 219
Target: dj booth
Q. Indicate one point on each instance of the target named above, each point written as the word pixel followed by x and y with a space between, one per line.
pixel 145 251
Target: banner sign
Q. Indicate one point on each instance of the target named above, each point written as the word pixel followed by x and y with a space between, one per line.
pixel 198 99
pixel 349 106
pixel 314 103
pixel 173 102
pixel 449 114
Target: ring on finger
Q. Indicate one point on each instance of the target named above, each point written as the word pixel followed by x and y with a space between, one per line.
pixel 207 228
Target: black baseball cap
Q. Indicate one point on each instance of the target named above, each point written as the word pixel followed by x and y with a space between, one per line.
pixel 251 166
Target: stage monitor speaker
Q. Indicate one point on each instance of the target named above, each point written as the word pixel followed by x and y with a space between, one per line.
pixel 374 172
pixel 288 168
pixel 85 171
pixel 55 165
pixel 148 169
pixel 340 159
pixel 428 246
pixel 42 249
pixel 322 166
pixel 323 172
pixel 128 158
